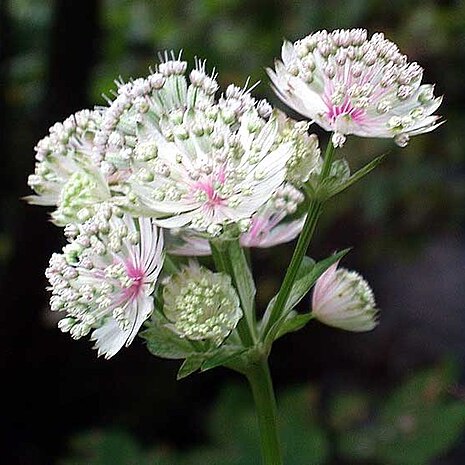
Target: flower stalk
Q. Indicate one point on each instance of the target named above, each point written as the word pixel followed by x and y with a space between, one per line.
pixel 261 384
pixel 314 211
pixel 221 253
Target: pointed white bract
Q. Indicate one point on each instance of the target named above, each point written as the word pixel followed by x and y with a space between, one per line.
pixel 343 299
pixel 66 175
pixel 201 305
pixel 349 84
pixel 268 227
pixel 105 277
pixel 191 160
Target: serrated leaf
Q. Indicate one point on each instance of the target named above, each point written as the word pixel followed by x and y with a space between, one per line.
pixel 163 342
pixel 189 366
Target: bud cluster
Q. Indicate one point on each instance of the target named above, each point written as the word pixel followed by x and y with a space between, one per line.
pixel 201 305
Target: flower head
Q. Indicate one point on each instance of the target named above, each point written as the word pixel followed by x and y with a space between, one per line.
pixel 201 305
pixel 350 84
pixel 343 299
pixel 192 160
pixel 104 278
pixel 268 227
pixel 66 175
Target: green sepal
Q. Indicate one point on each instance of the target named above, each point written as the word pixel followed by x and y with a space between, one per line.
pixel 189 366
pixel 163 342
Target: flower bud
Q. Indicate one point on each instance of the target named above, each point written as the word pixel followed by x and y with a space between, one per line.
pixel 343 299
pixel 201 305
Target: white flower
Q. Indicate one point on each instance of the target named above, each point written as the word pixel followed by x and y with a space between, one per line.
pixel 104 278
pixel 349 84
pixel 201 305
pixel 343 299
pixel 268 227
pixel 305 159
pixel 66 176
pixel 193 160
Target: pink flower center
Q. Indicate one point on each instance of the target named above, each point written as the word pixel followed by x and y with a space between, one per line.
pixel 137 276
pixel 347 110
pixel 207 186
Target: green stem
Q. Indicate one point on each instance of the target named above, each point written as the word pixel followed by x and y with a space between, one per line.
pixel 262 388
pixel 220 254
pixel 314 211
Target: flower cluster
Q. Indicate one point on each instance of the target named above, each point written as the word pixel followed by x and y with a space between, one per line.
pixel 105 276
pixel 66 175
pixel 196 161
pixel 350 84
pixel 172 157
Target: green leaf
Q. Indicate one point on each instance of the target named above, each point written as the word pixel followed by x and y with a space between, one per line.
pixel 305 268
pixel 357 176
pixel 223 356
pixel 293 322
pixel 163 342
pixel 189 366
pixel 309 272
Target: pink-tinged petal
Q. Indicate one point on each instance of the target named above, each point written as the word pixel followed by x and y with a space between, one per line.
pixel 106 288
pixel 354 86
pixel 343 299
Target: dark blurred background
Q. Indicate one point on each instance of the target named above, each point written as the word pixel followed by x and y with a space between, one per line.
pixel 394 396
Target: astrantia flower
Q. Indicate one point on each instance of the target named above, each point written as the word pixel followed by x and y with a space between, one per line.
pixel 350 84
pixel 65 175
pixel 305 159
pixel 192 160
pixel 104 278
pixel 201 305
pixel 268 227
pixel 343 299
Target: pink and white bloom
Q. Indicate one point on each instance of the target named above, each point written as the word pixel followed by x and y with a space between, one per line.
pixel 193 160
pixel 105 277
pixel 343 299
pixel 66 175
pixel 349 84
pixel 270 226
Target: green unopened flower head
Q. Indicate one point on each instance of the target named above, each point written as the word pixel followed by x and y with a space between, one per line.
pixel 343 299
pixel 79 195
pixel 201 305
pixel 67 175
